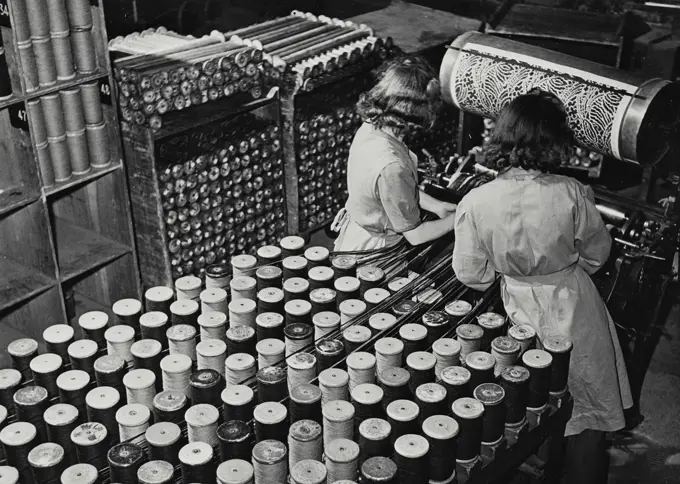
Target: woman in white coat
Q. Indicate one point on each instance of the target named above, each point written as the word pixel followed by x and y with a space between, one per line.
pixel 543 234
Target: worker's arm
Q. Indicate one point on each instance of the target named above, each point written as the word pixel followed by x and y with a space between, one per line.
pixel 470 263
pixel 593 241
pixel 437 207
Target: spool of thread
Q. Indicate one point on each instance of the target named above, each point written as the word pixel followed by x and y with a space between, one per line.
pixel 239 368
pixel 73 388
pixel 211 355
pixel 44 60
pixel 80 474
pixel 270 300
pixel 125 460
pixel 344 266
pixel 493 421
pixel 342 460
pixel 493 325
pixel 214 299
pixel 133 420
pixel 334 385
pixel 242 312
pixel 374 439
pixel 441 433
pixel 146 354
pixel 398 283
pixel 320 276
pixel 119 340
pixel 140 385
pixel 240 339
pixel 269 276
pixel 61 420
pixel 457 310
pixel 355 338
pixel 292 245
pixel 176 370
pixel 22 351
pixel 350 309
pixel 388 354
pixel 346 288
pixel 431 398
pixel 271 421
pixel 156 472
pixel 379 470
pixel 560 350
pixel 196 460
pixel 170 406
pixel 539 364
pixel 242 287
pixel 370 277
pixel 329 354
pixel 524 334
pixel 271 384
pixel 182 340
pixel 217 275
pixel 213 325
pixel 299 336
pixel 101 405
pixel 437 325
pixel 201 422
pixel 361 367
pixel 185 311
pixel 93 326
pixel 18 439
pixel 304 442
pixel 322 300
pixel 30 403
pixel 325 324
pixel 375 296
pixel 235 437
pixel 301 369
pixel 82 355
pixel 165 441
pixel 270 462
pixel 367 401
pixel 505 351
pixel 98 144
pixel 78 153
pixel 481 366
pixel 447 353
pixel 238 403
pixel 379 322
pixel 109 371
pixel 58 22
pixel 420 366
pixel 402 416
pixel 45 165
pixel 411 454
pixel 47 462
pixel 456 380
pixel 295 288
pixel 45 368
pixel 270 352
pixel 269 254
pixel 57 339
pixel 414 337
pixel 188 287
pixel 159 299
pixel 36 120
pixel 9 384
pixel 317 257
pixel 294 266
pixel 9 475
pixel 269 326
pixel 83 51
pixel 305 403
pixel 206 386
pixel 470 339
pixel 20 21
pixel 79 13
pixel 127 312
pixel 515 383
pixel 92 107
pixel 243 265
pixel 29 66
pixel 338 421
pixel 395 385
pixel 468 412
pixel 91 443
pixel 235 471
pixel 298 311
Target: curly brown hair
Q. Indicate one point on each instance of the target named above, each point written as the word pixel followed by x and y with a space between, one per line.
pixel 406 97
pixel 532 132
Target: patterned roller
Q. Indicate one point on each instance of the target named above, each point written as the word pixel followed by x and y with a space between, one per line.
pixel 610 111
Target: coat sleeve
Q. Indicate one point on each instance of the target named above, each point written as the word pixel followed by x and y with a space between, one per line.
pixel 398 191
pixel 593 241
pixel 470 263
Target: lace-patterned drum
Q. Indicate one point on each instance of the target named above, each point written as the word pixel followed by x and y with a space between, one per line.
pixel 610 111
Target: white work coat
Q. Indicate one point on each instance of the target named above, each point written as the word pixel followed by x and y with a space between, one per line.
pixel 545 236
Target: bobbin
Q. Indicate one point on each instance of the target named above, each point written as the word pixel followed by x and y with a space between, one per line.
pixel 159 298
pixel 165 441
pixel 235 437
pixel 90 440
pixel 243 265
pixel 10 380
pixel 269 254
pixel 325 323
pixel 57 339
pixel 235 471
pixel 292 245
pixel 270 352
pixel 397 284
pixel 437 325
pixel 420 365
pixel 215 299
pixel 304 442
pixel 80 474
pixel 109 371
pixel 338 421
pixel 133 420
pixel 140 385
pixel 403 417
pixel 268 276
pixel 239 368
pixel 17 439
pixel 22 351
pixel 429 296
pixel 270 421
pixel 217 275
pixel 468 413
pixel 61 419
pixel 379 322
pixel 197 462
pixel 441 432
pixel 320 276
pixel 334 385
pixel 176 371
pixel 457 310
pixel 212 355
pixel 470 338
pixel 184 311
pixel 82 355
pixel 125 460
pixel 188 287
pixel 539 364
pixel 414 337
pixel 238 403
pixel 524 334
pixel 447 353
pixel 270 461
pixel 295 288
pixel 395 385
pixel 156 472
pixel 375 296
pixel 294 266
pixel 213 325
pixel 72 388
pixel 201 422
pixel 127 312
pixel 182 340
pixel 374 438
pixel 242 312
pixel 355 338
pixel 119 341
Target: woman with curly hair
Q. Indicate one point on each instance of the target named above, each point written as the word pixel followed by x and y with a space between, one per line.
pixel 544 235
pixel 384 200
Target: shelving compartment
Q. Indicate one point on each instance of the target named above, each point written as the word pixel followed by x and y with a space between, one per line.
pixel 91 225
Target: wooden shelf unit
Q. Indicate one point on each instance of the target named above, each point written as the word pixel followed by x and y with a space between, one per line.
pixel 70 243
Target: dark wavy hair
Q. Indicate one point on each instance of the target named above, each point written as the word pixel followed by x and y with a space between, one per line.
pixel 406 97
pixel 532 132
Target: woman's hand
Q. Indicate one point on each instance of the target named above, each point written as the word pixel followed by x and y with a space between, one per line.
pixel 445 209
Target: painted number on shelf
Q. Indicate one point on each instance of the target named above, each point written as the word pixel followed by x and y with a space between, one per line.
pixel 18 116
pixel 4 14
pixel 105 91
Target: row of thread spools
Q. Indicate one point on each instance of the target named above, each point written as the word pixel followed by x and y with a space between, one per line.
pixel 70 133
pixel 55 40
pixel 271 418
